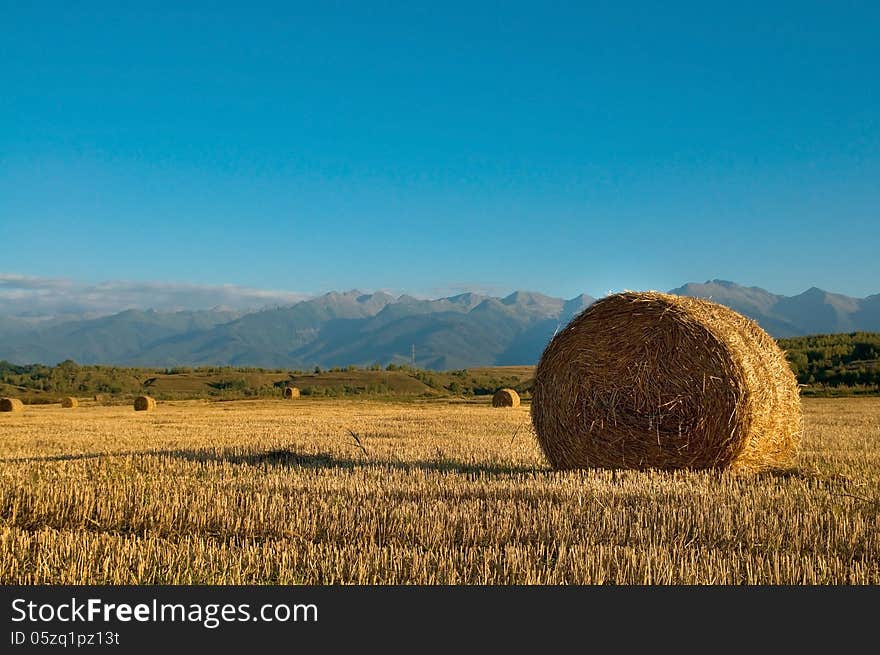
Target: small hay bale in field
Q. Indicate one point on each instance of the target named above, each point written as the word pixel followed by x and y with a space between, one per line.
pixel 291 392
pixel 144 403
pixel 505 398
pixel 652 380
pixel 69 402
pixel 99 398
pixel 11 405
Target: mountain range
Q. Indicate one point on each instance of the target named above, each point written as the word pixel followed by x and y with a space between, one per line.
pixel 339 329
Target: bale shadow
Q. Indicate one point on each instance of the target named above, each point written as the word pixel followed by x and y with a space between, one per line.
pixel 288 458
pixel 292 459
pixel 70 457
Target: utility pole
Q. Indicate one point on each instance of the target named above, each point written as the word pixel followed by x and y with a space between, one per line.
pixel 413 357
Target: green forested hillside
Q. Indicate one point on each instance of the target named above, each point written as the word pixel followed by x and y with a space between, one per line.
pixel 831 364
pixel 47 384
pixel 835 364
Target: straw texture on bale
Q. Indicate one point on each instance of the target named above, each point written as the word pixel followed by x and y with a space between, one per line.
pixel 291 392
pixel 144 403
pixel 505 398
pixel 11 405
pixel 69 402
pixel 652 380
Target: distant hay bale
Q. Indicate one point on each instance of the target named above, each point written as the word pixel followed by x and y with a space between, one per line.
pixel 505 398
pixel 99 398
pixel 651 380
pixel 144 403
pixel 69 402
pixel 11 405
pixel 291 392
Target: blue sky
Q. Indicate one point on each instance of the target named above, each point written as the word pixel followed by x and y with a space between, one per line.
pixel 556 147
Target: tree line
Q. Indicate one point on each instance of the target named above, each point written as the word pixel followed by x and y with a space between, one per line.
pixel 825 364
pixel 831 364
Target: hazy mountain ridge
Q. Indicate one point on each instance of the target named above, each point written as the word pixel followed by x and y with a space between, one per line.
pixel 814 311
pixel 337 329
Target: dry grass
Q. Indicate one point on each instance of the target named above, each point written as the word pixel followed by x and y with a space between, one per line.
pixel 364 492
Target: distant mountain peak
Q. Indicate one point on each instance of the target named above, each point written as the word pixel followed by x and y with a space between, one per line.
pixel 378 295
pixel 576 305
pixel 467 295
pixel 469 299
pixel 489 303
pixel 524 297
pixel 352 293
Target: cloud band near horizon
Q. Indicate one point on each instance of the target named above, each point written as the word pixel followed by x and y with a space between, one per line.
pixel 33 296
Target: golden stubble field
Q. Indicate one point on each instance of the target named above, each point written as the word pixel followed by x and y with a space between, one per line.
pixel 280 492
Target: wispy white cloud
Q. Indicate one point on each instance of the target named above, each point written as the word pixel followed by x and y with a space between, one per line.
pixel 29 296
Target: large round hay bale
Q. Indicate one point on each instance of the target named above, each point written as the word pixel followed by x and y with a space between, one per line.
pixel 651 380
pixel 11 405
pixel 69 402
pixel 505 398
pixel 291 392
pixel 99 398
pixel 144 403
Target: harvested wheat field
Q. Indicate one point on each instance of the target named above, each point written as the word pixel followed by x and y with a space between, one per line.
pixel 266 492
